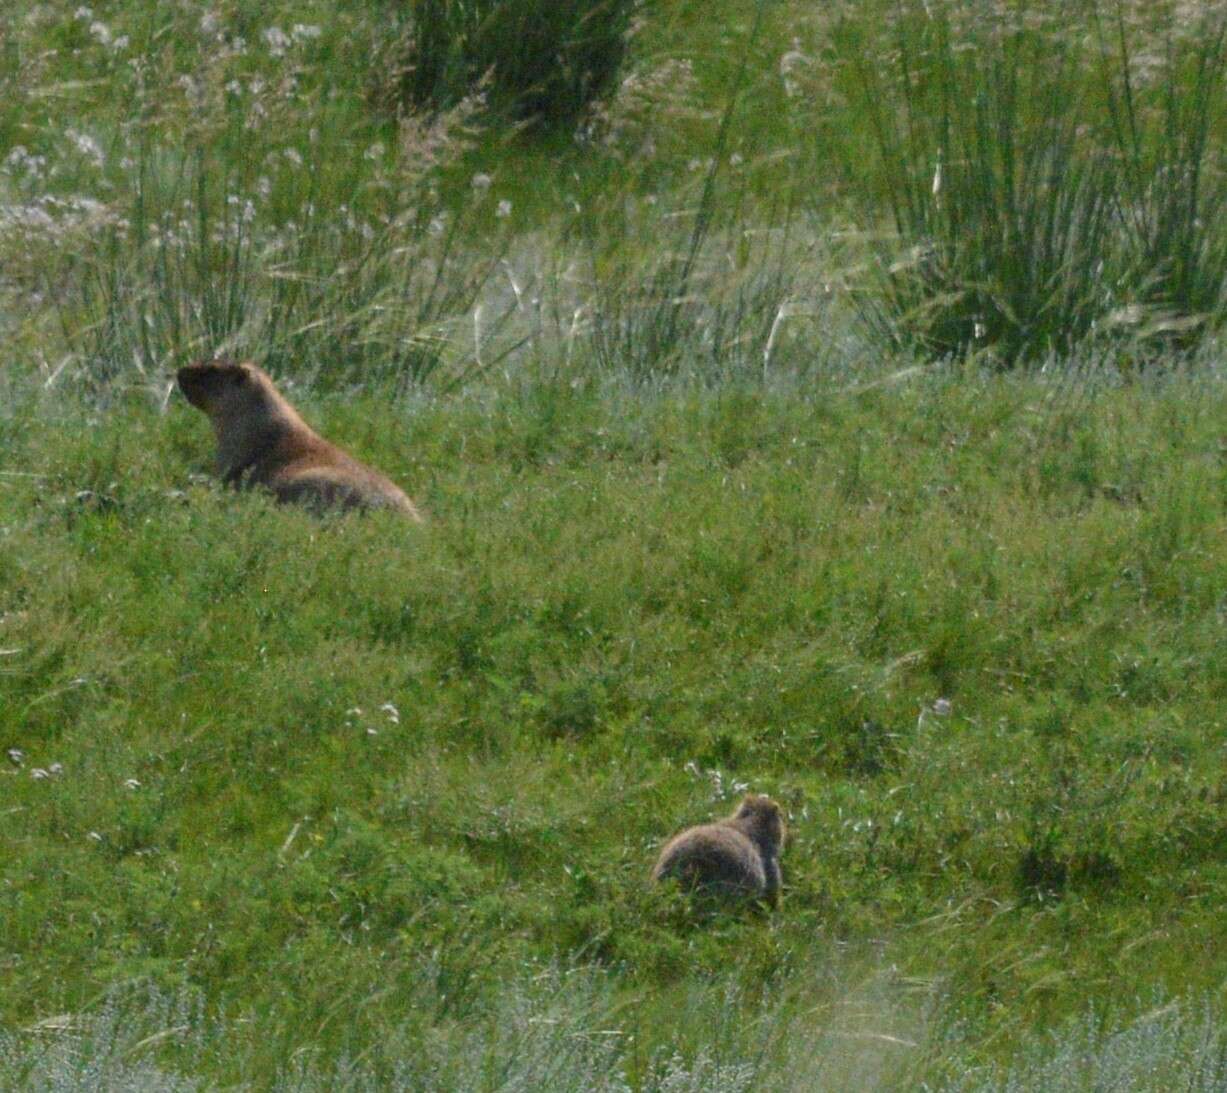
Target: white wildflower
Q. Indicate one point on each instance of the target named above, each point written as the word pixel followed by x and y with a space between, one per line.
pixel 255 116
pixel 277 40
pixel 504 209
pixel 132 783
pixel 294 156
pixel 189 87
pixel 392 712
pixel 792 66
pixel 83 13
pixel 28 218
pixel 302 32
pixel 19 161
pixel 86 145
pixel 87 209
pixel 481 182
pixel 100 32
pixel 247 210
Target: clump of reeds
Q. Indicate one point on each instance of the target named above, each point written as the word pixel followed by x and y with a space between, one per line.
pixel 1049 176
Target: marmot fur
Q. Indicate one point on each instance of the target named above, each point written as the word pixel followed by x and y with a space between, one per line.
pixel 737 856
pixel 261 441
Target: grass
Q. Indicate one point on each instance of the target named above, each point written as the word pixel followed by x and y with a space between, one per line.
pixel 248 189
pixel 375 761
pixel 1050 176
pixel 291 802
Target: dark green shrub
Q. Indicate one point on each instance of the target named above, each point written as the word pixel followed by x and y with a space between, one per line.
pixel 540 60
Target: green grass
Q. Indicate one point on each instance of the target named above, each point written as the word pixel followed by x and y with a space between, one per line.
pixel 623 610
pixel 1019 186
pixel 1049 172
pixel 298 803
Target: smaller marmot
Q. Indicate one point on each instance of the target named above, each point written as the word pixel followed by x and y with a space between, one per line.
pixel 261 441
pixel 737 856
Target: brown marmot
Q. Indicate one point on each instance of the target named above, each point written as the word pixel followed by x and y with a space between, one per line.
pixel 737 856
pixel 261 441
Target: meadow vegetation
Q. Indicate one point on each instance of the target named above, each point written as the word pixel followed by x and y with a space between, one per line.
pixel 829 406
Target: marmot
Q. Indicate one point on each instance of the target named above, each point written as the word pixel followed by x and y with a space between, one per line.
pixel 261 441
pixel 737 856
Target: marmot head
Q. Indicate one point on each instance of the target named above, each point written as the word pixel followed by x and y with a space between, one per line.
pixel 215 385
pixel 762 815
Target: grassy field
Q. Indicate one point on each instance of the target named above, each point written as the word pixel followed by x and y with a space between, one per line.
pixel 732 485
pixel 350 775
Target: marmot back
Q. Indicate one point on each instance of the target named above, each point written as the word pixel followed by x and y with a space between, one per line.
pixel 736 856
pixel 262 441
